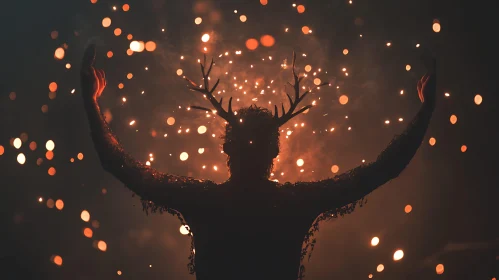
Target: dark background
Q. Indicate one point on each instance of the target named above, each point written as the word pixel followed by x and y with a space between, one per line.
pixel 453 194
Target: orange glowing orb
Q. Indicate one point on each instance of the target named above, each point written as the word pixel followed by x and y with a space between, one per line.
pixel 251 44
pixel 53 87
pixel 51 171
pixel 439 269
pixel 117 32
pixel 110 54
pixel 408 209
pixel 59 53
pixel 106 22
pixel 126 7
pixel 300 9
pixel 150 46
pixel 57 260
pixel 305 29
pixel 267 41
pixel 87 232
pixel 264 2
pixel 102 245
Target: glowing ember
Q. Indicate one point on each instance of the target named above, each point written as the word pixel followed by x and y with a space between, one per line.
pixel 101 245
pixel 57 260
pixel 106 22
pixel 85 216
pixel 87 232
pixel 398 255
pixel 243 18
pixel 50 145
pixel 408 67
pixel 21 158
pixel 343 99
pixel 478 99
pixel 464 148
pixel 184 156
pixel 380 268
pixel 335 168
pixel 59 204
pixel 251 44
pixel 300 162
pixel 202 129
pixel 408 209
pixel 198 20
pixel 17 143
pixel 267 41
pixel 375 241
pixel 205 38
pixel 436 26
pixel 432 141
pixel 300 9
pixel 59 53
pixel 170 121
pixel 439 269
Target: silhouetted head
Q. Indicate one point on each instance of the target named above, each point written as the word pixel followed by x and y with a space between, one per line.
pixel 251 144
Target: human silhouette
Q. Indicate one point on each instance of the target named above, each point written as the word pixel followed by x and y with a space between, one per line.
pixel 250 227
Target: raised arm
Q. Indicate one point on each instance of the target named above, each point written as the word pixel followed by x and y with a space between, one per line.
pixel 165 189
pixel 353 185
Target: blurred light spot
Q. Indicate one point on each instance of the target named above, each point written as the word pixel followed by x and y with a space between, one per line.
pixel 243 18
pixel 17 143
pixel 335 168
pixel 202 129
pixel 375 241
pixel 21 158
pixel 150 46
pixel 436 26
pixel 432 141
pixel 198 20
pixel 87 232
pixel 205 38
pixel 170 121
pixel 305 29
pixel 184 156
pixel 251 44
pixel 59 204
pixel 59 53
pixel 300 9
pixel 343 99
pixel 380 268
pixel 53 86
pixel 125 7
pixel 398 255
pixel 106 22
pixel 408 209
pixel 464 148
pixel 345 51
pixel 51 171
pixel 453 119
pixel 439 269
pixel 300 162
pixel 478 99
pixel 102 245
pixel 85 216
pixel 50 145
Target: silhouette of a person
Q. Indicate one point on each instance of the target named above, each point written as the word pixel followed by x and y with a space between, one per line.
pixel 250 227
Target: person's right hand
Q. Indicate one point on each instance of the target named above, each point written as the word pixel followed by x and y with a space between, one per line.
pixel 93 81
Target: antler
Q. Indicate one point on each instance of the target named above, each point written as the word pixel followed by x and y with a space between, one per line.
pixel 286 116
pixel 208 93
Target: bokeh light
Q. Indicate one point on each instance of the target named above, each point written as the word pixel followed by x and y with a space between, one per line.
pixel 85 215
pixel 251 44
pixel 439 269
pixel 106 22
pixel 398 255
pixel 375 241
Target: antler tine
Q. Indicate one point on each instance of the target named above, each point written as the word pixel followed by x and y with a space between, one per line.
pixel 286 116
pixel 208 93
